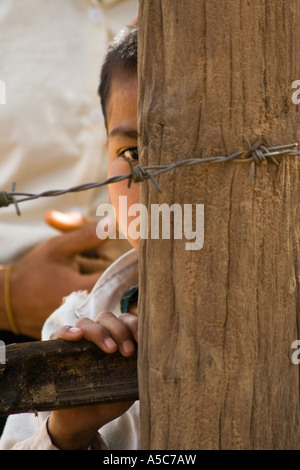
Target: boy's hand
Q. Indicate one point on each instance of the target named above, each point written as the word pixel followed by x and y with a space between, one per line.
pixel 75 428
pixel 108 332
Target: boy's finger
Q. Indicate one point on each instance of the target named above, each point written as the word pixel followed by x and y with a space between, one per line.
pixel 69 333
pixel 120 331
pixel 97 334
pixel 109 333
pixel 132 322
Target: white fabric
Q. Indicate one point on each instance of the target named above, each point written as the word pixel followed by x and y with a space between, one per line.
pixel 28 431
pixel 52 134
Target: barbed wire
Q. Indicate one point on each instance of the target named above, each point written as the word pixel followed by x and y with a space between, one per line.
pixel 255 154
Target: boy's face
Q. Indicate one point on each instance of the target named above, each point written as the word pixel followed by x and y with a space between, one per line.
pixel 123 141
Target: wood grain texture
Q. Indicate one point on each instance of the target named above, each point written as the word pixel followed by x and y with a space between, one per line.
pixel 216 325
pixel 49 375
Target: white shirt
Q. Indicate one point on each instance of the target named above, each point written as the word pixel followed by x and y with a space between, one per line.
pixel 52 134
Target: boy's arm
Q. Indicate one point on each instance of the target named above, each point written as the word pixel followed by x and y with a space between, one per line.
pixel 41 441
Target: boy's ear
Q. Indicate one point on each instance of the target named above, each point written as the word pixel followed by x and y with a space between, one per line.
pixel 106 143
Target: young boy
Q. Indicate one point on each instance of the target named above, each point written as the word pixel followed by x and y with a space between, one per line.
pixel 98 317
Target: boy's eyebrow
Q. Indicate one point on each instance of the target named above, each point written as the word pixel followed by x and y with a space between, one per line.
pixel 124 132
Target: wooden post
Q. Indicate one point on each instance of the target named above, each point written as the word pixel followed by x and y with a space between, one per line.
pixel 217 324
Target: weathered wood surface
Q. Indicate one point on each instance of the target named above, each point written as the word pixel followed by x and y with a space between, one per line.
pixel 48 375
pixel 217 325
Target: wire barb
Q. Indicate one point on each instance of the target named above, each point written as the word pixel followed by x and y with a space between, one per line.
pixel 6 199
pixel 256 154
pixel 140 174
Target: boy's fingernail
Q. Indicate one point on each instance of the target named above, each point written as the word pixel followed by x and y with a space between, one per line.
pixel 74 330
pixel 109 343
pixel 128 347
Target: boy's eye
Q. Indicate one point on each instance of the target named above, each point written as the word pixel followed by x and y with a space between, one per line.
pixel 131 153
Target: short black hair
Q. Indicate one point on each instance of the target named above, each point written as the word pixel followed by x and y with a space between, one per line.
pixel 120 59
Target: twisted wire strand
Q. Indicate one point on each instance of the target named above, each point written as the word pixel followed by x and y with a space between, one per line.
pixel 256 154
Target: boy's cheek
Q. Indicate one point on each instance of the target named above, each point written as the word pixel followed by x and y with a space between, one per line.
pixel 123 198
pixel 125 201
pixel 117 166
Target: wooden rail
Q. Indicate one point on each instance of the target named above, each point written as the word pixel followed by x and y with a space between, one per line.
pixel 48 375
